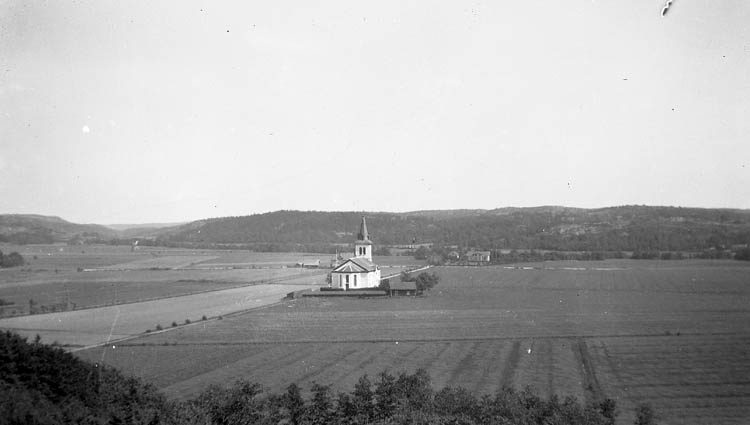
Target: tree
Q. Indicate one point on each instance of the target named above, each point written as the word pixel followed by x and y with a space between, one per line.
pixel 608 409
pixel 426 281
pixel 362 398
pixel 455 401
pixel 294 403
pixel 13 259
pixel 644 415
pixel 386 399
pixel 421 253
pixel 742 254
pixel 385 285
pixel 320 410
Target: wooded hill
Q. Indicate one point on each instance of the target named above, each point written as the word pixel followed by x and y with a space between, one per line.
pixel 624 228
pixel 39 229
pixel 627 228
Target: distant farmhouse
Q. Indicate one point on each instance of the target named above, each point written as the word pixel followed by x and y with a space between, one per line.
pixel 478 257
pixel 359 271
pixel 309 263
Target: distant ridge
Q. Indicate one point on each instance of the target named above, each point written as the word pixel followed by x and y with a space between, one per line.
pixel 625 228
pixel 34 228
pixel 121 227
pixel 620 228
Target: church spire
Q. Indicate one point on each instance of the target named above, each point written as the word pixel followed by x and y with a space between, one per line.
pixel 362 235
pixel 363 244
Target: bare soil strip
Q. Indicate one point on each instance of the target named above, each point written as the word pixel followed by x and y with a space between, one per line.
pixel 590 382
pixel 511 362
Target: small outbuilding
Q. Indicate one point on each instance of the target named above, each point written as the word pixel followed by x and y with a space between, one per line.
pixel 309 264
pixel 403 288
pixel 478 257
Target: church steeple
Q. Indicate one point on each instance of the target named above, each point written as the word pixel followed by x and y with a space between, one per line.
pixel 363 244
pixel 362 235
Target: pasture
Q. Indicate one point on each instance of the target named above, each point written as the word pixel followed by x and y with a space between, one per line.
pixel 59 276
pixel 81 328
pixel 670 333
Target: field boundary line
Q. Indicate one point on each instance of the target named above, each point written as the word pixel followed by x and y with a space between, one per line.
pixel 417 340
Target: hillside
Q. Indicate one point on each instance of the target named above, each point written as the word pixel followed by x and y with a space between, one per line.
pixel 626 228
pixel 623 228
pixel 32 228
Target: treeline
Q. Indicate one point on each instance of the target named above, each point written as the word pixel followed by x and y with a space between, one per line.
pixel 13 259
pixel 40 384
pixel 625 228
pixel 628 228
pixel 30 236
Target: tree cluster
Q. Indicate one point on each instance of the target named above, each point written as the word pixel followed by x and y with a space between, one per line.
pixel 424 281
pixel 40 384
pixel 391 399
pixel 742 254
pixel 13 259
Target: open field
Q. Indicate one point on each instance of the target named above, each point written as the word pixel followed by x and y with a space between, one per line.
pixel 80 328
pixel 671 333
pixel 115 275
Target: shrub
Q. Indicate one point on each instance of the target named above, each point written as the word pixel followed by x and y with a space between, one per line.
pixel 174 324
pixel 644 415
pixel 158 327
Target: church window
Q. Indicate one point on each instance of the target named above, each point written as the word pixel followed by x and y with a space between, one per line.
pixel 347 278
pixel 355 280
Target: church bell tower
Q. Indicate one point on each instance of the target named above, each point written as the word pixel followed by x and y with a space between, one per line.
pixel 363 244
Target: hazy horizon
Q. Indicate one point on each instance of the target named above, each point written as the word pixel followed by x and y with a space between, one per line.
pixel 156 112
pixel 173 223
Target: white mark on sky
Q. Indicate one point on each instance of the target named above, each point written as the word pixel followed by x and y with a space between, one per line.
pixel 85 129
pixel 666 7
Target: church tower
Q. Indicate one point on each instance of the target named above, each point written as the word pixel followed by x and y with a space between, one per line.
pixel 363 244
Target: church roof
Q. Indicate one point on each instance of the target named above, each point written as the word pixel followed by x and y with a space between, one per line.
pixel 356 265
pixel 362 236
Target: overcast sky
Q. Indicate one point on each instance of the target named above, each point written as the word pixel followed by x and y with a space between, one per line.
pixel 149 111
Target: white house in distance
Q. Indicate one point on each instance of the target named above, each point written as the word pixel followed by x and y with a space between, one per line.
pixel 478 256
pixel 359 271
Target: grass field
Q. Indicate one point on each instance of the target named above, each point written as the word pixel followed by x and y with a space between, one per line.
pixel 81 328
pixel 670 333
pixel 115 275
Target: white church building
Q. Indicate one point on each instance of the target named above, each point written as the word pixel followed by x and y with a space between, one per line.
pixel 359 271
